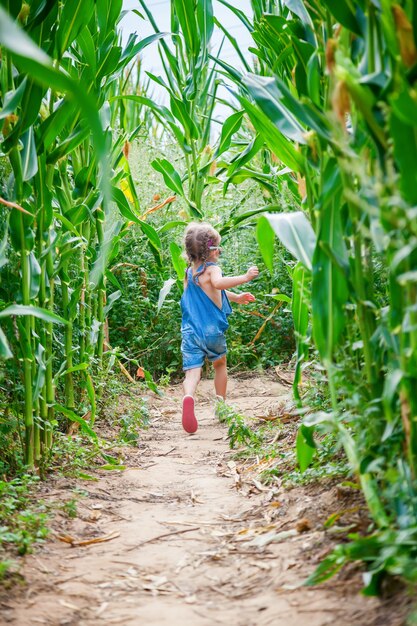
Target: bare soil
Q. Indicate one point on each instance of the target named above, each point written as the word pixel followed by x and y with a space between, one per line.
pixel 188 535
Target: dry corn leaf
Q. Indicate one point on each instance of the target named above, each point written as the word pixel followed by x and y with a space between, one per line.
pixel 158 206
pixel 405 36
pixel 86 542
pixel 303 525
pixel 94 516
pixel 273 537
pixel 69 605
pixel 285 377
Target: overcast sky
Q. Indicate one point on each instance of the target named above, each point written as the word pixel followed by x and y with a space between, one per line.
pixel 161 11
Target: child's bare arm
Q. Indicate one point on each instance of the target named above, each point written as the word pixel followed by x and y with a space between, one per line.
pixel 228 282
pixel 240 298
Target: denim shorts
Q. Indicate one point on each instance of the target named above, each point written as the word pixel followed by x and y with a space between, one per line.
pixel 195 349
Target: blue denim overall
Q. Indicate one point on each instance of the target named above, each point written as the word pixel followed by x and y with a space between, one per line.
pixel 203 324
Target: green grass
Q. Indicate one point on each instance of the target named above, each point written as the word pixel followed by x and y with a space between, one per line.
pixel 23 521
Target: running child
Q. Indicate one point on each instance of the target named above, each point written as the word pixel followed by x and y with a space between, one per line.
pixel 205 306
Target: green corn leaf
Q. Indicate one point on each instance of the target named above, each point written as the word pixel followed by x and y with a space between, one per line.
pixel 113 280
pixel 12 99
pixel 66 222
pixel 75 14
pixel 171 177
pixel 230 70
pixel 108 14
pixel 171 225
pixel 29 156
pixel 265 236
pixel 266 93
pixel 4 244
pixel 314 79
pixel 246 155
pixel 5 351
pixel 179 110
pixel 404 105
pixel 111 239
pixel 159 81
pixel 108 62
pixel 297 7
pixel 86 43
pixel 300 300
pixel 264 180
pixel 167 286
pixel 92 398
pixel 68 145
pixel 123 205
pixel 296 234
pixel 52 127
pixel 31 103
pixel 389 27
pixel 279 297
pixel 143 43
pixel 305 452
pixel 71 415
pixel 152 235
pixel 205 23
pixel 39 379
pixel 185 12
pixel 391 388
pixel 329 287
pixel 81 367
pixel 343 11
pixel 239 14
pixel 78 214
pixel 85 476
pixel 111 299
pixel 42 314
pixel 230 126
pixel 405 152
pixel 178 260
pixel 274 139
pixel 305 112
pixel 300 312
pixel 40 67
pixel 34 276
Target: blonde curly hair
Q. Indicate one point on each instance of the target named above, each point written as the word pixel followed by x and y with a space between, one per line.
pixel 198 238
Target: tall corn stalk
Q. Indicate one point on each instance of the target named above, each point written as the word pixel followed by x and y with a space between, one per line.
pixel 334 101
pixel 60 65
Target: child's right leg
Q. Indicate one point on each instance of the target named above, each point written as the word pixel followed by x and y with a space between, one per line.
pixel 192 378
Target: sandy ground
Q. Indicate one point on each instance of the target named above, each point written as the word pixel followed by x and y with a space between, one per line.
pixel 190 539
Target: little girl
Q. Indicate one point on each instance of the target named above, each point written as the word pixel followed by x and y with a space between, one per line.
pixel 205 306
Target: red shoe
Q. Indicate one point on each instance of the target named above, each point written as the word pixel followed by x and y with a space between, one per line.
pixel 189 421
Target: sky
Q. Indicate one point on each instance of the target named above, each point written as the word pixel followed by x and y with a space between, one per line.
pixel 161 13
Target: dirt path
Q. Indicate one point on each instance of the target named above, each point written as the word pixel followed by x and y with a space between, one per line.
pixel 191 546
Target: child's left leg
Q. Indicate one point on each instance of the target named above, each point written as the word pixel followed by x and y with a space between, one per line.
pixel 220 376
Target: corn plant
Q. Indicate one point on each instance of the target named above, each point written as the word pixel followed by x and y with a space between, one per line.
pixel 333 98
pixel 60 65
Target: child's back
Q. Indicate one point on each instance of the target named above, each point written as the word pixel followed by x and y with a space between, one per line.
pixel 205 282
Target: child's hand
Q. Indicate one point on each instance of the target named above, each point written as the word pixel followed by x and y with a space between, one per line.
pixel 252 273
pixel 245 298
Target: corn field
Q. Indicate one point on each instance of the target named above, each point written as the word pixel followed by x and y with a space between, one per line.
pixel 324 111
